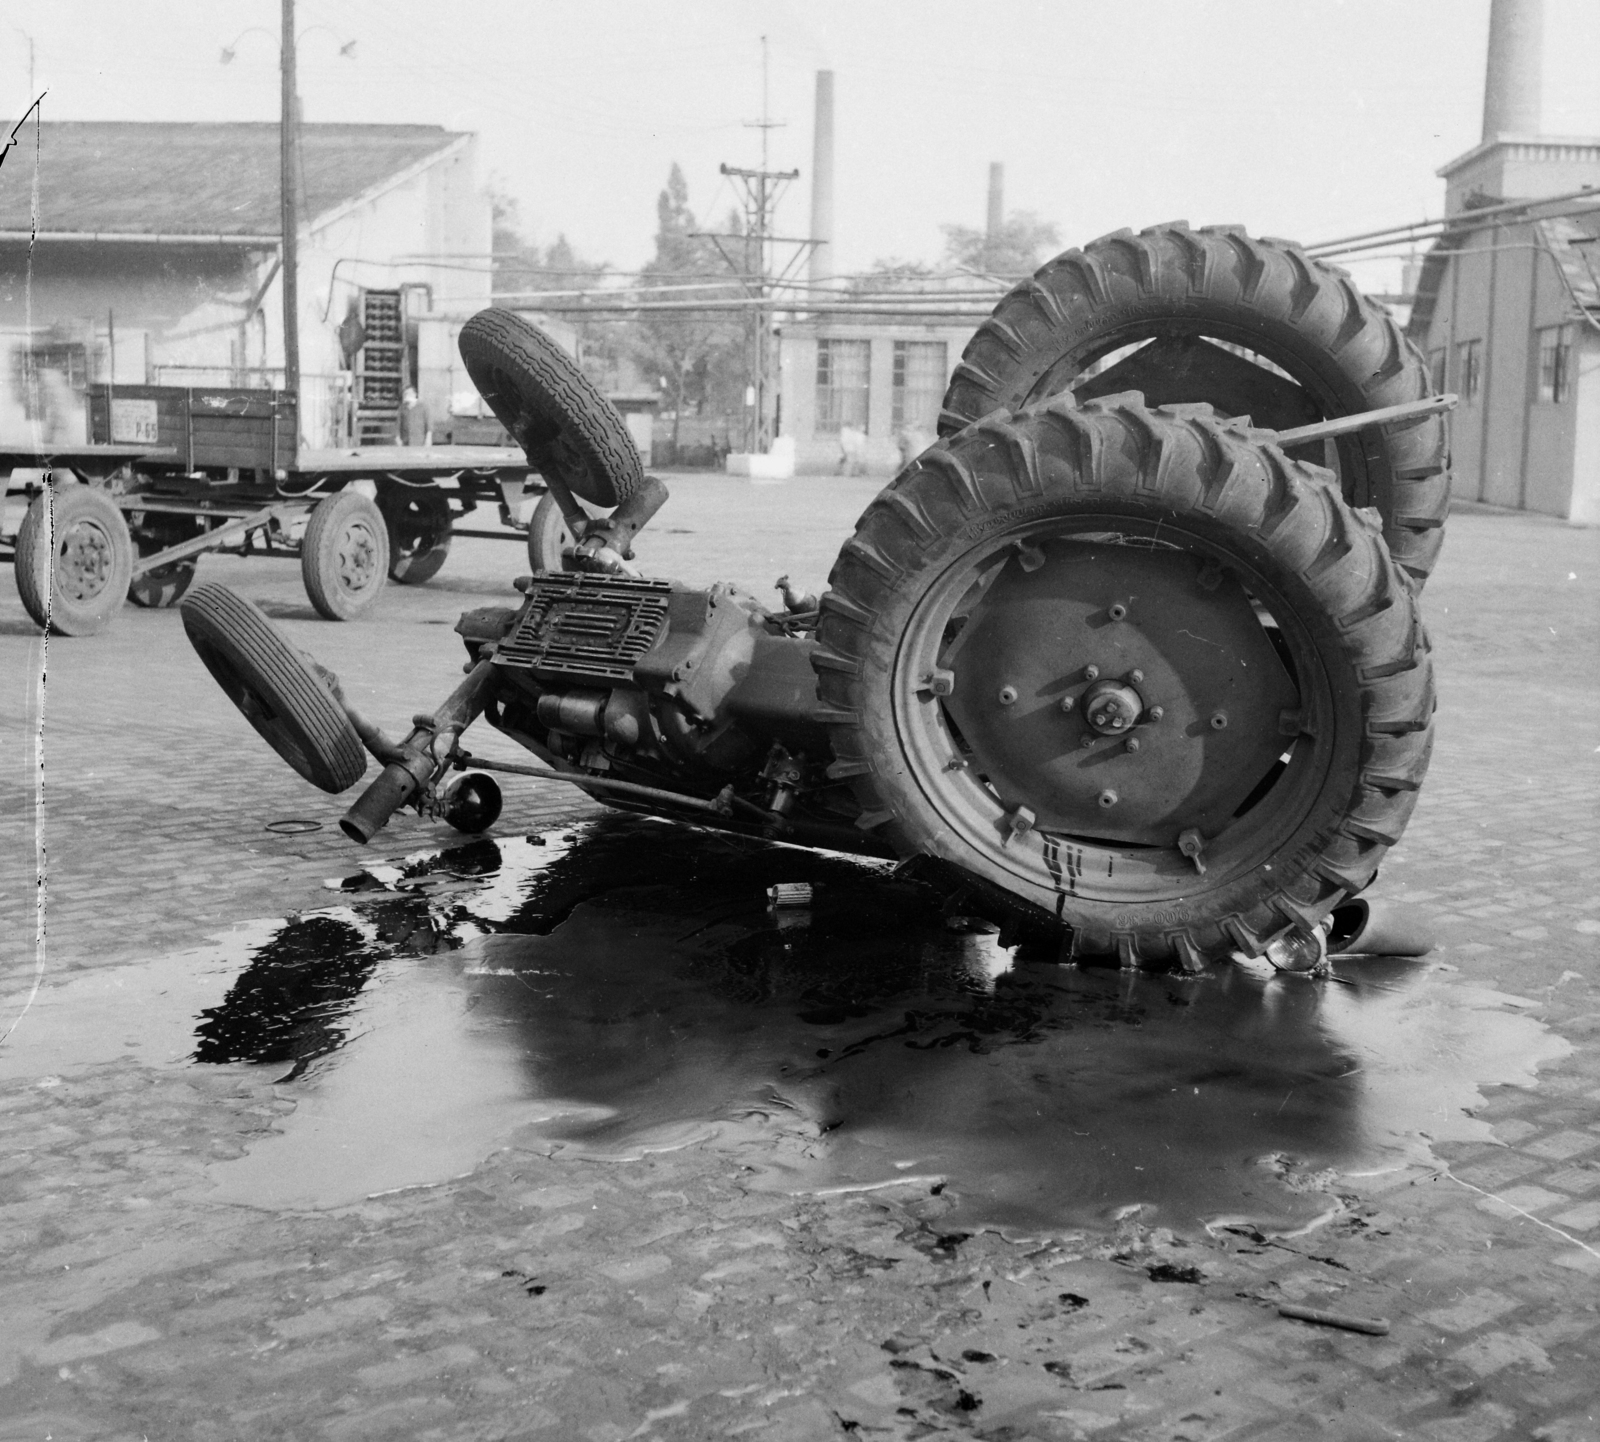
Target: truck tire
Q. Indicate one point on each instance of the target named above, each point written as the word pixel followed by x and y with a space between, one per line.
pixel 158 589
pixel 418 521
pixel 274 687
pixel 73 560
pixel 1334 351
pixel 552 410
pixel 344 557
pixel 1251 630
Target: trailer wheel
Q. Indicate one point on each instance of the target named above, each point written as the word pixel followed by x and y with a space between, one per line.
pixel 153 532
pixel 344 557
pixel 1298 343
pixel 274 687
pixel 418 520
pixel 1137 673
pixel 552 410
pixel 73 560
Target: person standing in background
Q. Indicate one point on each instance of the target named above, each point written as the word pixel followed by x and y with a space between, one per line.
pixel 415 429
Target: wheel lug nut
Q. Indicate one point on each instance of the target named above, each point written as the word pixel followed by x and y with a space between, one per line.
pixel 1118 611
pixel 1067 703
pixel 1156 713
pixel 1008 695
pixel 1219 720
pixel 1087 742
pixel 1136 677
pixel 1091 673
pixel 1108 799
pixel 1133 743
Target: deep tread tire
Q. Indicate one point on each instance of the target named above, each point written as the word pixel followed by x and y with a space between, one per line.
pixel 1217 488
pixel 76 586
pixel 1264 294
pixel 274 687
pixel 418 521
pixel 552 410
pixel 344 557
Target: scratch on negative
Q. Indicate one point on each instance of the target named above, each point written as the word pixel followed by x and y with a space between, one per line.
pixel 1203 640
pixel 1537 1221
pixel 40 887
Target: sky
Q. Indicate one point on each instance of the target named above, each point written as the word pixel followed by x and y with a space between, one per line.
pixel 1310 119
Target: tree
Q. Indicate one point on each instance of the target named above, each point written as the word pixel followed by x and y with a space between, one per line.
pixel 1016 251
pixel 891 274
pixel 688 349
pixel 522 270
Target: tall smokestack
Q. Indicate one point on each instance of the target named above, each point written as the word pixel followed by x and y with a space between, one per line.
pixel 822 181
pixel 1511 89
pixel 997 191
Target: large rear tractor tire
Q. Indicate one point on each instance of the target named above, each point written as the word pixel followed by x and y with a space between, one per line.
pixel 344 558
pixel 1134 671
pixel 418 520
pixel 1251 327
pixel 552 410
pixel 274 687
pixel 74 559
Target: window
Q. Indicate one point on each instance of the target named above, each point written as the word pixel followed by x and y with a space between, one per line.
pixel 1469 368
pixel 843 371
pixel 918 388
pixel 1555 363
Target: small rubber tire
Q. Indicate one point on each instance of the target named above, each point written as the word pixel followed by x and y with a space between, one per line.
pixel 548 536
pixel 75 586
pixel 274 687
pixel 552 410
pixel 344 558
pixel 418 519
pixel 1177 480
pixel 1343 354
pixel 159 589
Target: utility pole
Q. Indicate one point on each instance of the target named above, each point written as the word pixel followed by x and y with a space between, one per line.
pixel 762 190
pixel 289 214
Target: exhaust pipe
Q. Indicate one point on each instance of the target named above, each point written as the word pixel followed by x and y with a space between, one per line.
pixel 1366 927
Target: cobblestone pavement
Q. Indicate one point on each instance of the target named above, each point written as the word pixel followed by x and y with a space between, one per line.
pixel 663 1297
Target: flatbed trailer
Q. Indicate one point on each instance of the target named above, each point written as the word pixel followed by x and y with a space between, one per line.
pixel 172 472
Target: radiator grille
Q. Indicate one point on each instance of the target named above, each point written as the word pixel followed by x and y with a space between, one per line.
pixel 590 627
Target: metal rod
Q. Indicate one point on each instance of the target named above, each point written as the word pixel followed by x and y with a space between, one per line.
pixel 1343 425
pixel 207 542
pixel 594 783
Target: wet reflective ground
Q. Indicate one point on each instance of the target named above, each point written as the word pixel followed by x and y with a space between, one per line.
pixel 623 987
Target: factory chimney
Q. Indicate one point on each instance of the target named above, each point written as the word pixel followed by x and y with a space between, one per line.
pixel 822 181
pixel 1511 88
pixel 997 188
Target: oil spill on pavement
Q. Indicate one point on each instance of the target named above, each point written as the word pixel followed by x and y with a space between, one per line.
pixel 622 988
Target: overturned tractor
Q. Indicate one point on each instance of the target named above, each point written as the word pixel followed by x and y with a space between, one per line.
pixel 1132 653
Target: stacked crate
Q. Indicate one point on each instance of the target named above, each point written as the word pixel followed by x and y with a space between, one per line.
pixel 380 369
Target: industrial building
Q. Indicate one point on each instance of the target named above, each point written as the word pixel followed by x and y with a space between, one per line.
pixel 1507 308
pixel 858 389
pixel 155 258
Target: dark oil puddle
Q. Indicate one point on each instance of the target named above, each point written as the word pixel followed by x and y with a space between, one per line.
pixel 622 988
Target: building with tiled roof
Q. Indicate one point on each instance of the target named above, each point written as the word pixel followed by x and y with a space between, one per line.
pixel 150 251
